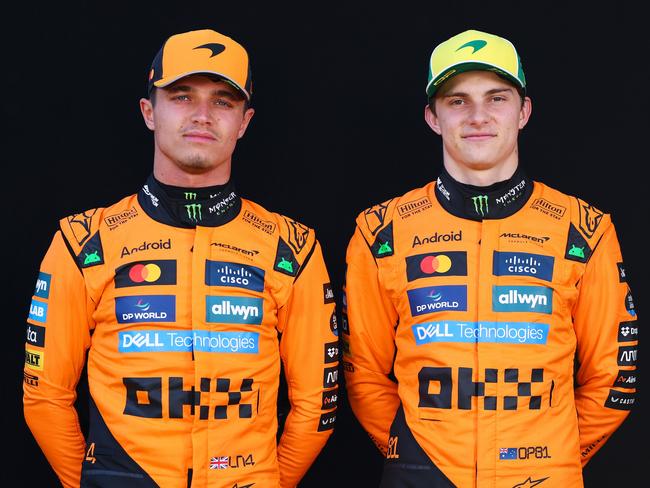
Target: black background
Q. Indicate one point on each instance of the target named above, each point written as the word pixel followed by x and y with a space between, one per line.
pixel 339 98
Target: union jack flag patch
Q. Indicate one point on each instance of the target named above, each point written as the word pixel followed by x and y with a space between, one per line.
pixel 219 462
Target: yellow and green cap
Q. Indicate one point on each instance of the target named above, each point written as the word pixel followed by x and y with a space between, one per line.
pixel 473 50
pixel 201 52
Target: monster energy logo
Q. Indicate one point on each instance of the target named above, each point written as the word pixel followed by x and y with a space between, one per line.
pixel 478 204
pixel 190 195
pixel 193 211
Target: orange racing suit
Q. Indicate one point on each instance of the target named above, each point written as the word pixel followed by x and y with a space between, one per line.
pixel 464 310
pixel 186 302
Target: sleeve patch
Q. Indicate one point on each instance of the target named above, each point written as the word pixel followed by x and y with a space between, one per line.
pixel 577 248
pixel 285 261
pixel 383 245
pixel 298 234
pixel 80 225
pixel 619 400
pixel 92 253
pixel 590 218
pixel 375 216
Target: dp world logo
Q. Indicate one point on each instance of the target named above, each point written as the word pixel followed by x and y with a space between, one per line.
pixel 145 308
pixel 437 299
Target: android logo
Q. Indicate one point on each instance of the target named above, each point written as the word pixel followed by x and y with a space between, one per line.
pixel 578 252
pixel 384 248
pixel 285 265
pixel 92 258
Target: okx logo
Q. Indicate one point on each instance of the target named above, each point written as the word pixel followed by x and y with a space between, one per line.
pixel 450 263
pixel 480 205
pixel 143 273
pixel 234 310
pixel 145 308
pixel 523 264
pixel 522 299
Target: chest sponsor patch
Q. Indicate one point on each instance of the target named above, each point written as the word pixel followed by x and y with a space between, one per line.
pixel 38 311
pixel 223 273
pixel 145 308
pixel 42 289
pixel 233 310
pixel 522 299
pixel 34 359
pixel 523 264
pixel 36 335
pixel 145 273
pixel 188 340
pixel 496 332
pixel 437 299
pixel 449 263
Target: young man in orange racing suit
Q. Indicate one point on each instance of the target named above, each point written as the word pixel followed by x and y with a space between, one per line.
pixel 477 291
pixel 187 298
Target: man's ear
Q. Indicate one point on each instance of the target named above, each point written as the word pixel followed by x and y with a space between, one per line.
pixel 432 119
pixel 146 108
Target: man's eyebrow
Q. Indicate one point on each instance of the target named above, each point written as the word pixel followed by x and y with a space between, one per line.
pixel 217 92
pixel 489 92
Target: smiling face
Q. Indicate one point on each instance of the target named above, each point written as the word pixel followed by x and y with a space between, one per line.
pixel 479 115
pixel 196 122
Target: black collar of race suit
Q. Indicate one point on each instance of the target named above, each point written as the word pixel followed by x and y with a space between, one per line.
pixel 209 206
pixel 495 201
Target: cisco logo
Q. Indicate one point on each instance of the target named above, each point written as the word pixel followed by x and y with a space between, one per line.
pixel 223 273
pixel 523 264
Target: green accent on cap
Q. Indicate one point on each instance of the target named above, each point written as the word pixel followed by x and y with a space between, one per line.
pixel 477 44
pixel 488 53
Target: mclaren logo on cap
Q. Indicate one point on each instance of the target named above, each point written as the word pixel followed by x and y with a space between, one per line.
pixel 214 47
pixel 477 45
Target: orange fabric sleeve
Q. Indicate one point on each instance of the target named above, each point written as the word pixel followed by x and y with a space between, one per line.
pixel 599 314
pixel 309 352
pixel 369 354
pixel 59 324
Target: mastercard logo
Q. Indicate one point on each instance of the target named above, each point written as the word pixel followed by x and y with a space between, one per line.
pixel 446 263
pixel 145 272
pixel 435 264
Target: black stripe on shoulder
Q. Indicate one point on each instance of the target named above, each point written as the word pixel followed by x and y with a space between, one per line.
pixel 72 254
pixel 304 263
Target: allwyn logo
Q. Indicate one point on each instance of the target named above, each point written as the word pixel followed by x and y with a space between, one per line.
pixel 522 299
pixel 234 310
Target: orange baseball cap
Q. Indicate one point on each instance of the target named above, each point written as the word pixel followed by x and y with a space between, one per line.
pixel 202 51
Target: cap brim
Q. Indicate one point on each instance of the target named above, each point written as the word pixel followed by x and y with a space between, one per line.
pixel 163 82
pixel 455 69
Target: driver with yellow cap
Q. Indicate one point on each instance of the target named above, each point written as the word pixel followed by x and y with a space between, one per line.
pixel 468 302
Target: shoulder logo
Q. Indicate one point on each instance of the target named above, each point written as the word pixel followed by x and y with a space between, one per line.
pixel 548 208
pixel 375 216
pixel 265 225
pixel 115 220
pixel 297 235
pixel 590 218
pixel 80 225
pixel 476 45
pixel 413 207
